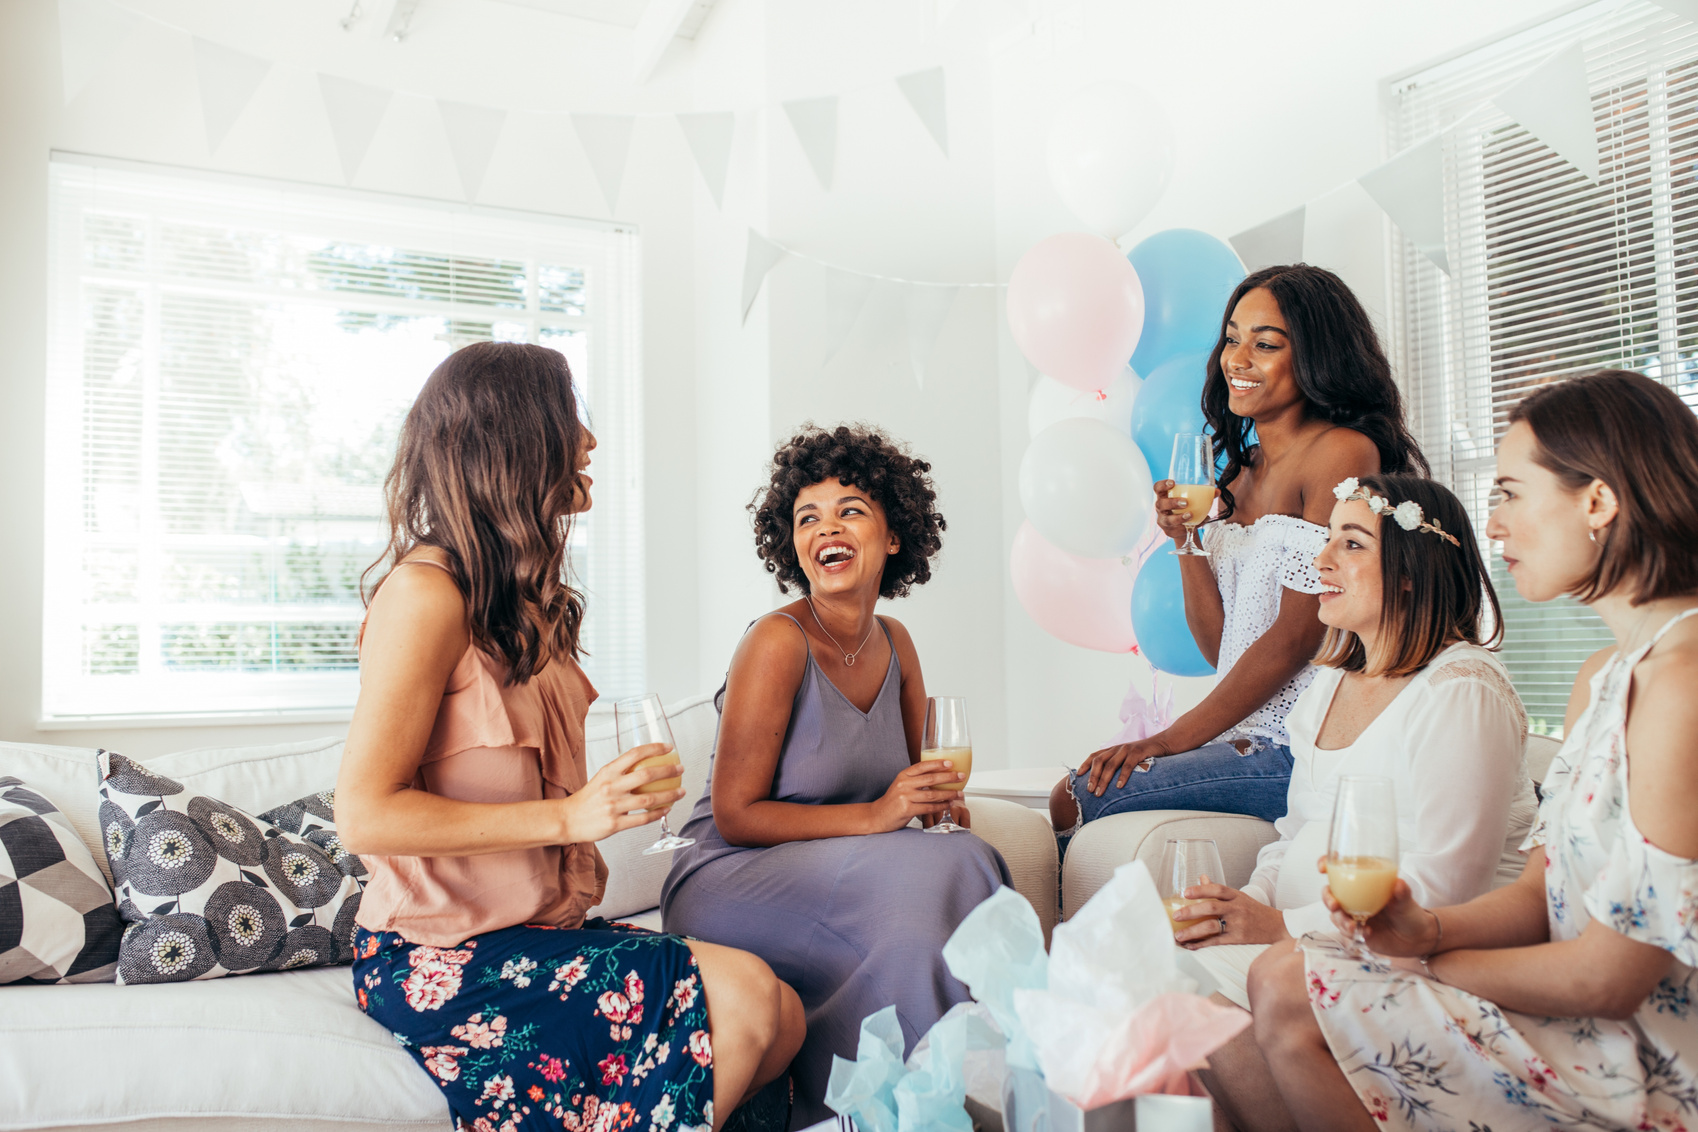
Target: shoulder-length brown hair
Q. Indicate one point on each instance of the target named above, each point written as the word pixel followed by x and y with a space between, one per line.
pixel 1635 435
pixel 485 470
pixel 1434 594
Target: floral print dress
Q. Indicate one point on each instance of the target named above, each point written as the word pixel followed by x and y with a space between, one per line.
pixel 1424 1055
pixel 597 1029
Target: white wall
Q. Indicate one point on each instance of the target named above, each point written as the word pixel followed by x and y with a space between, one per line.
pixel 1273 107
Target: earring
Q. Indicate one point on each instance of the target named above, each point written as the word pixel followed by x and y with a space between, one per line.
pixel 1592 534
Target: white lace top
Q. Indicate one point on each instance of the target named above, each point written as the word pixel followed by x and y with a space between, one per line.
pixel 1252 565
pixel 1453 744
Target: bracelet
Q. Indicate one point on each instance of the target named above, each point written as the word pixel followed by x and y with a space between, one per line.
pixel 1437 943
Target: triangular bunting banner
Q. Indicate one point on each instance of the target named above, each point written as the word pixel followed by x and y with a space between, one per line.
pixel 1271 242
pixel 845 295
pixel 927 94
pixel 1555 104
pixel 927 309
pixel 709 137
pixel 228 80
pixel 815 123
pixel 91 33
pixel 1410 187
pixel 1685 9
pixel 472 134
pixel 354 110
pixel 606 139
pixel 762 254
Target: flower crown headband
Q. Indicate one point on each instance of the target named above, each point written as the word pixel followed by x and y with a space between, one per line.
pixel 1407 514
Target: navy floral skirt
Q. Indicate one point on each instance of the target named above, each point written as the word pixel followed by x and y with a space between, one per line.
pixel 598 1029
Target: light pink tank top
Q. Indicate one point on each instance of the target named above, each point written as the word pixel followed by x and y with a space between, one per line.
pixel 494 742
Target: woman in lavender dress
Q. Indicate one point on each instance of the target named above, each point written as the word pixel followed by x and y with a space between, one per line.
pixel 803 853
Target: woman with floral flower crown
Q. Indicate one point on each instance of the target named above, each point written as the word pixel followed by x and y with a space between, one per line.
pixel 464 788
pixel 1568 999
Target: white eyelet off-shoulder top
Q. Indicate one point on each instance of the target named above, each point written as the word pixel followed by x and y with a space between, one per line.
pixel 1252 566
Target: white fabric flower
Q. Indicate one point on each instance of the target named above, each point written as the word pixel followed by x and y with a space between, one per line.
pixel 1407 514
pixel 1344 489
pixel 1378 504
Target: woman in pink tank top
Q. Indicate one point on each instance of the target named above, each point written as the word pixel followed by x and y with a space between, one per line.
pixel 464 789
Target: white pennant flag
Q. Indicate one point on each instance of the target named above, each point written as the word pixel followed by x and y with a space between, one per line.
pixel 762 254
pixel 1271 242
pixel 1685 9
pixel 1554 102
pixel 354 110
pixel 606 139
pixel 472 134
pixel 709 137
pixel 927 94
pixel 228 80
pixel 927 308
pixel 1410 187
pixel 815 123
pixel 91 33
pixel 845 296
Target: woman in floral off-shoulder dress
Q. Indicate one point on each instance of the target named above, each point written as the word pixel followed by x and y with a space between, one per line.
pixel 1567 999
pixel 464 788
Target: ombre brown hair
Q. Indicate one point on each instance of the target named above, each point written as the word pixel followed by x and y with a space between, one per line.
pixel 486 470
pixel 1433 594
pixel 1635 435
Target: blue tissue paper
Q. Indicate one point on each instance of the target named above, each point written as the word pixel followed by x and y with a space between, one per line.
pixel 997 950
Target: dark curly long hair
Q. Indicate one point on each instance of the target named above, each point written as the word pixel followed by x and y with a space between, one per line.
pixel 1336 361
pixel 486 470
pixel 863 457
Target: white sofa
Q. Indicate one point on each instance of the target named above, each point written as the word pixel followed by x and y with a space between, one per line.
pixel 291 1050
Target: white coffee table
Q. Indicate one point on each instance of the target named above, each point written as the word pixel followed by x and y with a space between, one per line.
pixel 1028 785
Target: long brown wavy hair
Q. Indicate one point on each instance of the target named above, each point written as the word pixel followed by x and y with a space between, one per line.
pixel 486 469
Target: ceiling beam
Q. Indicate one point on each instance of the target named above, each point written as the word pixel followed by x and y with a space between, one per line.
pixel 659 24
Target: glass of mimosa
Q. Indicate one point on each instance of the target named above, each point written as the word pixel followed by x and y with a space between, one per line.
pixel 1192 471
pixel 1362 851
pixel 1186 861
pixel 946 737
pixel 640 721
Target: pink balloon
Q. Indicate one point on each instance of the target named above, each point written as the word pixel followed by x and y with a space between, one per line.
pixel 1083 601
pixel 1076 308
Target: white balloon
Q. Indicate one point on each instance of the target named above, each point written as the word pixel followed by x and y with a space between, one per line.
pixel 1052 401
pixel 1086 488
pixel 1110 155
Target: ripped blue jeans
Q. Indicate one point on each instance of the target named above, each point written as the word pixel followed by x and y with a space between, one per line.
pixel 1213 777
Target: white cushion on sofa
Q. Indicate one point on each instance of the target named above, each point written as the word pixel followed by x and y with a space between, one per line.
pixel 285 1047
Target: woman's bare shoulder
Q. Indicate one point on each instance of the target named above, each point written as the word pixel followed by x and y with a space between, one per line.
pixel 1663 781
pixel 773 638
pixel 418 608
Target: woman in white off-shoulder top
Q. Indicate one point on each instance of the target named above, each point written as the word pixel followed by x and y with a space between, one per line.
pixel 1298 395
pixel 1407 690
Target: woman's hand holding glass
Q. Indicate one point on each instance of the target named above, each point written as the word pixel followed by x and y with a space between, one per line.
pixel 1403 929
pixel 1245 919
pixel 609 801
pixel 912 794
pixel 1171 512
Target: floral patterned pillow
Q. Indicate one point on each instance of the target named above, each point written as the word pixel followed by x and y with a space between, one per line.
pixel 207 890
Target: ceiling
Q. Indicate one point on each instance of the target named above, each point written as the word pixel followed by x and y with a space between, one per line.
pixel 623 13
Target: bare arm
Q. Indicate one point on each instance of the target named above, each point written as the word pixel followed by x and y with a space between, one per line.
pixel 415 635
pixel 765 675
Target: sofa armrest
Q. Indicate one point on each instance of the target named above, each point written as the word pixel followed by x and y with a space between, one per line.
pixel 1107 843
pixel 1027 843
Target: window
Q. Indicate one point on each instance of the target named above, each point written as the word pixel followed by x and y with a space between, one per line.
pixel 1552 275
pixel 228 364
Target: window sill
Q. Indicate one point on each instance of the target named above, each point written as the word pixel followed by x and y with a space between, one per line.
pixel 193 719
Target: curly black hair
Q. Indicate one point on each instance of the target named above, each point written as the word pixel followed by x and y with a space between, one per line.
pixel 898 482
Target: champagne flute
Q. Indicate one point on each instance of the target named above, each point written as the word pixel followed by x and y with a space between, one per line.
pixel 639 721
pixel 1186 861
pixel 1362 852
pixel 1192 471
pixel 946 738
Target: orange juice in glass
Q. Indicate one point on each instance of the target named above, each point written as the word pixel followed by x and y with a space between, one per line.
pixel 961 757
pixel 1186 862
pixel 1362 852
pixel 661 786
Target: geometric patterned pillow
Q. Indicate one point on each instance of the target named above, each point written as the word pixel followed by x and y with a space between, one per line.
pixel 57 922
pixel 209 890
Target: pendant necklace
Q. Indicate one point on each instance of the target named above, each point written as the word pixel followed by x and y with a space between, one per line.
pixel 848 657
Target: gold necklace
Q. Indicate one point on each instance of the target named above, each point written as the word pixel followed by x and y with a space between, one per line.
pixel 848 657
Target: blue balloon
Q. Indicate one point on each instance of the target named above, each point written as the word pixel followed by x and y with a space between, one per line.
pixel 1158 618
pixel 1188 276
pixel 1170 402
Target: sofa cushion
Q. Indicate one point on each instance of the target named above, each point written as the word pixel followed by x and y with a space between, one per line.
pixel 208 889
pixel 57 920
pixel 1104 845
pixel 287 1050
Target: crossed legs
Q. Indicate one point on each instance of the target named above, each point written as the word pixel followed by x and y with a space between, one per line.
pixel 755 1020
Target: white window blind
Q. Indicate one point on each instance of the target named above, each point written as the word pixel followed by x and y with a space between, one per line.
pixel 229 362
pixel 1551 274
